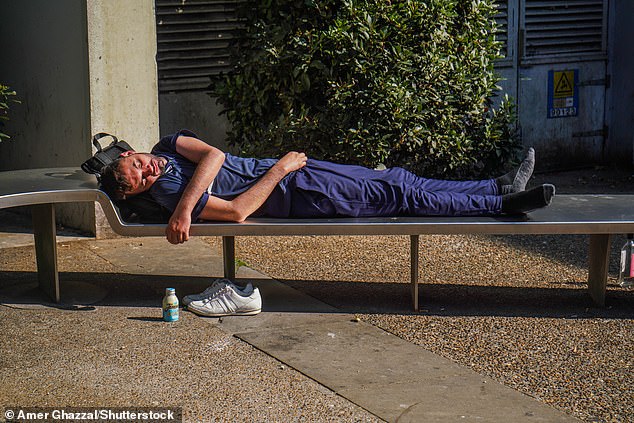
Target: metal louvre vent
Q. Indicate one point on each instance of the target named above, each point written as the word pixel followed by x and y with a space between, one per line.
pixel 563 27
pixel 194 38
pixel 502 20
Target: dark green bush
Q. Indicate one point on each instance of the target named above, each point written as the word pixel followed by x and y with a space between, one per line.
pixel 403 83
pixel 6 96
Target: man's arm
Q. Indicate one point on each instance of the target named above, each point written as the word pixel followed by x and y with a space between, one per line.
pixel 245 204
pixel 209 160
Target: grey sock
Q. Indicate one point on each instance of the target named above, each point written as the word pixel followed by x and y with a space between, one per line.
pixel 525 171
pixel 516 180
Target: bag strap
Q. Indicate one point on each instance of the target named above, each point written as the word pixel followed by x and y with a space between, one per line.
pixel 97 137
pixel 86 168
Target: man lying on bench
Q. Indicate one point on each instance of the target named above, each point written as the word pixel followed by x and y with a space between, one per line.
pixel 197 181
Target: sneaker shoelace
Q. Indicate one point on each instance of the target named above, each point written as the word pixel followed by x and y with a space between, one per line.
pixel 214 288
pixel 216 294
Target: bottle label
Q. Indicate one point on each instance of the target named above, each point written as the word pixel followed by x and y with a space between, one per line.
pixel 170 314
pixel 631 267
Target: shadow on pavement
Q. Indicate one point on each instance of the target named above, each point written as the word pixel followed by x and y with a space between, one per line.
pixel 83 291
pixel 469 300
pixel 566 249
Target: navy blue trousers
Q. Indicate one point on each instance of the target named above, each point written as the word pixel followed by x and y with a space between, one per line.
pixel 325 189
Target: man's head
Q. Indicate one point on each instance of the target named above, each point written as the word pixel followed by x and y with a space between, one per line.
pixel 131 174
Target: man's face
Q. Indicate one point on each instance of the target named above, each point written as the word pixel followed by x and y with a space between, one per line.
pixel 141 170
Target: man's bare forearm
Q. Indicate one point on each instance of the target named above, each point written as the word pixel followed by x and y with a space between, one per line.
pixel 252 199
pixel 245 204
pixel 206 170
pixel 208 161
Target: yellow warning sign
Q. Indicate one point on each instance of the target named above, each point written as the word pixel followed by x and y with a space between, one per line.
pixel 563 93
pixel 564 83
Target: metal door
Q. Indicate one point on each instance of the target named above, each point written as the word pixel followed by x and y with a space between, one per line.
pixel 555 66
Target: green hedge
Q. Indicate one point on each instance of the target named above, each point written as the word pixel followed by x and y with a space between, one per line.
pixel 404 83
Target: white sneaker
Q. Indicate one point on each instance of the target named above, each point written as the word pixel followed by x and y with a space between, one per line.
pixel 228 300
pixel 215 286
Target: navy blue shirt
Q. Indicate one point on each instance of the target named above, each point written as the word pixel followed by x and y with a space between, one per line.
pixel 236 175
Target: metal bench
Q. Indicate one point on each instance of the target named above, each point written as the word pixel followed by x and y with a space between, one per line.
pixel 598 216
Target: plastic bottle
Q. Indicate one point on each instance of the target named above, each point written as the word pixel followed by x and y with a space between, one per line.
pixel 170 305
pixel 626 275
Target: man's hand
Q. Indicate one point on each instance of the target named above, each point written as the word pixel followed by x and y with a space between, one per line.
pixel 208 162
pixel 292 161
pixel 245 204
pixel 177 230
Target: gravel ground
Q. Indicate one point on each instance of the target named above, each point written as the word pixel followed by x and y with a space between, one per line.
pixel 510 307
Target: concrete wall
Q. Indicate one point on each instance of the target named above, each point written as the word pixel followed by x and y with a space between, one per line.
pixel 620 99
pixel 45 60
pixel 195 111
pixel 79 67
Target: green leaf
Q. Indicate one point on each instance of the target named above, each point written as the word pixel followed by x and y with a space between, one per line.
pixel 400 83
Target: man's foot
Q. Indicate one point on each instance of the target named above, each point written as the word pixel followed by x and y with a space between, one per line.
pixel 215 286
pixel 516 180
pixel 527 201
pixel 228 300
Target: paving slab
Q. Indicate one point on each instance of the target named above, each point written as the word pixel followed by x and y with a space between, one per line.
pixel 282 307
pixel 394 379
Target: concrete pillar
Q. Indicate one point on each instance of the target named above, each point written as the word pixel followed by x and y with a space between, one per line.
pixel 122 67
pixel 123 78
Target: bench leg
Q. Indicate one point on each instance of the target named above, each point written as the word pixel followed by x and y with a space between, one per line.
pixel 45 233
pixel 229 257
pixel 414 269
pixel 599 260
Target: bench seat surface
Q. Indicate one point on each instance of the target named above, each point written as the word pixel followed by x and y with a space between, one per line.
pixel 568 214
